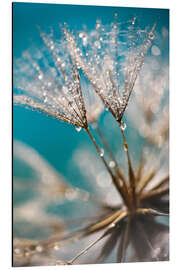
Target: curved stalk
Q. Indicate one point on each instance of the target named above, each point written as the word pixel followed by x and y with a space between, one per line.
pixel 116 182
pixel 132 179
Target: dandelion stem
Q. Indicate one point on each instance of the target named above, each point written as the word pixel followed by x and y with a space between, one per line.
pixel 162 183
pixel 121 216
pixel 114 178
pixel 108 148
pixel 86 249
pixel 132 179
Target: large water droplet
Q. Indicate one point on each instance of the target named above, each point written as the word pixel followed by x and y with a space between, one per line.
pixel 101 152
pixel 123 126
pixel 111 164
pixel 78 129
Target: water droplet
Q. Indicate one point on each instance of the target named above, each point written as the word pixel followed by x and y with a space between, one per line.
pixel 17 251
pixel 78 129
pixel 81 35
pixel 98 24
pixel 84 41
pixel 63 65
pixel 39 248
pixel 111 164
pixel 101 152
pixel 133 21
pixel 151 35
pixel 125 146
pixel 97 44
pixel 56 247
pixel 115 15
pixel 123 126
pixel 40 76
pixel 44 98
pixel 52 47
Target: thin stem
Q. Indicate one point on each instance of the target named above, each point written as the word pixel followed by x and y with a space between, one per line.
pixel 124 241
pixel 162 183
pixel 106 232
pixel 108 148
pixel 144 182
pixel 155 193
pixel 114 178
pixel 132 178
pixel 86 249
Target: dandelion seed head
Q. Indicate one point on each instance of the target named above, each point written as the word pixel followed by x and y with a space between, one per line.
pixel 56 91
pixel 111 60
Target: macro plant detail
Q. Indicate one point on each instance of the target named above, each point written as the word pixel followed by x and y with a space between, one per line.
pixel 73 79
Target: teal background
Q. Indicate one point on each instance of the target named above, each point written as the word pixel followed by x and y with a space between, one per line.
pixel 53 139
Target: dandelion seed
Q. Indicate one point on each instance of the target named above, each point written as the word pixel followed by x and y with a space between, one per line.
pixel 63 98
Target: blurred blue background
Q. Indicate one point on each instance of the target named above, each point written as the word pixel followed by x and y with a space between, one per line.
pixel 55 140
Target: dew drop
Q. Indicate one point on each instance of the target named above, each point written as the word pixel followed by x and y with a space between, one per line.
pixel 56 247
pixel 84 41
pixel 101 152
pixel 44 98
pixel 78 129
pixel 17 251
pixel 40 76
pixel 133 21
pixel 63 65
pixel 39 248
pixel 125 146
pixel 81 35
pixel 151 35
pixel 97 44
pixel 52 47
pixel 111 164
pixel 123 126
pixel 26 253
